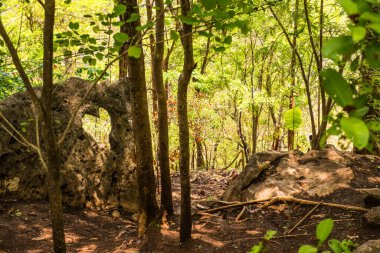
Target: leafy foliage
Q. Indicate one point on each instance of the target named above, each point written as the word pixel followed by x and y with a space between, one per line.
pixel 349 94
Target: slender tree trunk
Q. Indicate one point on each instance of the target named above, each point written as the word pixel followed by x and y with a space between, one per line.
pixel 200 159
pixel 183 124
pixel 153 55
pixel 214 155
pixel 293 73
pixel 206 156
pixel 48 133
pixel 303 73
pixel 148 208
pixel 51 155
pixel 163 128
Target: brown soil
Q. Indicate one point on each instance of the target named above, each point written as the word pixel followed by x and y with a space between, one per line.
pixel 25 227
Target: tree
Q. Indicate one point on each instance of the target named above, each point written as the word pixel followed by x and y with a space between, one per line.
pixel 163 131
pixel 148 208
pixel 183 124
pixel 50 151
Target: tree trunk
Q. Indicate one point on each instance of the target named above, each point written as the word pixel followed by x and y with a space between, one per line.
pixel 148 208
pixel 293 74
pixel 200 160
pixel 163 128
pixel 48 133
pixel 183 124
pixel 50 158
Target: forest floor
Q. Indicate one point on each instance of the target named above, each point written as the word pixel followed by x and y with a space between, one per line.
pixel 25 226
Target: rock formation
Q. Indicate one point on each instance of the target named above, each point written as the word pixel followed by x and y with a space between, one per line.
pixel 92 175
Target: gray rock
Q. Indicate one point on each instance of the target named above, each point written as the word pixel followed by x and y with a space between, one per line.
pixel 271 174
pixel 92 175
pixel 373 216
pixel 372 246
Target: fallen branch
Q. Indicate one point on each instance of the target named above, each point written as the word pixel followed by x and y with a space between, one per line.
pixel 240 214
pixel 288 199
pixel 304 218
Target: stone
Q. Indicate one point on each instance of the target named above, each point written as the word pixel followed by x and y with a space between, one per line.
pixel 373 216
pixel 92 175
pixel 372 246
pixel 270 174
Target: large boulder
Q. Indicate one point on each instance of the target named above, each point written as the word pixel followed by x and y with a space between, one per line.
pixel 272 174
pixel 93 174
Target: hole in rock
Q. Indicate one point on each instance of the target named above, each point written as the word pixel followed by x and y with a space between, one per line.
pixel 98 128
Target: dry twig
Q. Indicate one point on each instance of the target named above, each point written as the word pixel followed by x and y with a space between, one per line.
pixel 289 199
pixel 304 218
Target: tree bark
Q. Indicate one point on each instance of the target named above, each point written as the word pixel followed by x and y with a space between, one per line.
pixel 183 124
pixel 148 208
pixel 200 160
pixel 293 73
pixel 163 128
pixel 52 153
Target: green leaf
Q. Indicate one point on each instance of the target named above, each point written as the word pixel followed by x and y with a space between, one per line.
pixel 86 59
pixel 67 53
pixel 96 29
pixel 188 20
pixel 118 23
pixel 133 18
pixel 357 130
pixel 307 249
pixel 372 55
pixel 227 40
pixel 374 125
pixel 375 27
pixel 324 229
pixel 257 248
pixel 121 37
pixel 109 32
pixel 208 4
pixel 337 87
pixel 205 34
pixel 99 56
pixel 222 3
pixel 349 6
pixel 219 49
pixel 370 16
pixel 174 35
pixel 360 112
pixel 334 47
pixel 358 33
pixel 293 118
pixel 134 51
pixel 360 101
pixel 334 245
pixel 73 26
pixel 269 234
pixel 92 62
pixel 119 9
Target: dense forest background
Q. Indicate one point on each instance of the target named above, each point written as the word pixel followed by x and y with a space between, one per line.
pixel 241 89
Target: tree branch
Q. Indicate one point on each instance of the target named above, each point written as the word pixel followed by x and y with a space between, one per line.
pixel 16 61
pixel 302 71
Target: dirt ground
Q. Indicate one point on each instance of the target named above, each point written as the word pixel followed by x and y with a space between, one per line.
pixel 25 226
